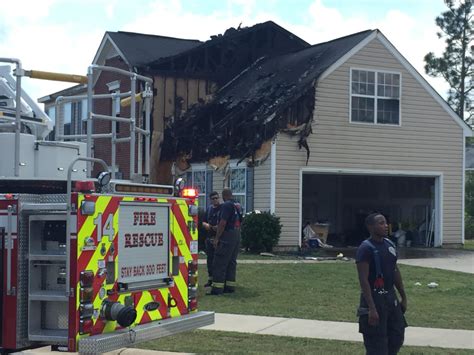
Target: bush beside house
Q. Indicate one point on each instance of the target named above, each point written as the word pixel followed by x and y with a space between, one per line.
pixel 260 231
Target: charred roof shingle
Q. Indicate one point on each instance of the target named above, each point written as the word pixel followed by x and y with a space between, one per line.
pixel 254 101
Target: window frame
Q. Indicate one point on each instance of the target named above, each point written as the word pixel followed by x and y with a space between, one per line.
pixel 375 96
pixel 201 168
pixel 234 166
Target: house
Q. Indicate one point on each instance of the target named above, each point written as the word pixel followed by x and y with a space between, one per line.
pixel 185 73
pixel 330 133
pixel 324 133
pixel 124 50
pixel 73 114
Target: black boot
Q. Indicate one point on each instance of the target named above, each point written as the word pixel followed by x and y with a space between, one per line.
pixel 215 291
pixel 229 289
pixel 208 284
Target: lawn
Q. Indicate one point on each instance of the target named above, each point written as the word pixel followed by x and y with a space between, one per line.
pixel 469 244
pixel 213 342
pixel 330 291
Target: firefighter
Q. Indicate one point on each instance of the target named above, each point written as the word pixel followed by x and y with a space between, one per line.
pixel 227 243
pixel 381 315
pixel 210 225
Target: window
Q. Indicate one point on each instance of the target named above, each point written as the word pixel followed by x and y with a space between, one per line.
pixel 51 112
pixel 83 116
pixel 197 179
pixel 238 182
pixel 67 118
pixel 375 97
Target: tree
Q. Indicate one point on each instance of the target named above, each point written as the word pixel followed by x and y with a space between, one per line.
pixel 456 62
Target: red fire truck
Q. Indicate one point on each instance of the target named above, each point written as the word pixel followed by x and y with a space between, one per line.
pixel 89 265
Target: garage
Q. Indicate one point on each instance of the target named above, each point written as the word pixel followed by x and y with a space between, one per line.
pixel 339 202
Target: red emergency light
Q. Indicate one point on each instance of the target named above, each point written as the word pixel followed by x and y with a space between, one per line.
pixel 85 186
pixel 189 193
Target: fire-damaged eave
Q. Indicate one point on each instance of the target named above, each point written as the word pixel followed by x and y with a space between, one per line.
pixel 275 94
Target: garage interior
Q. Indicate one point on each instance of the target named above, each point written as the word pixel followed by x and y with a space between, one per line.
pixel 343 201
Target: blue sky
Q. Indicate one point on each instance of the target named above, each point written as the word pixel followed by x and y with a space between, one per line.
pixel 63 35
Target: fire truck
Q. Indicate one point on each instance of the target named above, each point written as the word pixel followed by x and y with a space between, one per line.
pixel 89 265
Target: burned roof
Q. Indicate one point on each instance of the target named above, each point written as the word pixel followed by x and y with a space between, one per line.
pixel 225 55
pixel 274 94
pixel 140 49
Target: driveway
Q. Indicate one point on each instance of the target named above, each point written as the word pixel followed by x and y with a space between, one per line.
pixel 463 262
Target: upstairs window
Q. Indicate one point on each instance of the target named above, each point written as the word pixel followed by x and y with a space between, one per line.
pixel 375 97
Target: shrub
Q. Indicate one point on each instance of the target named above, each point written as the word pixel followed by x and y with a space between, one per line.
pixel 469 226
pixel 260 231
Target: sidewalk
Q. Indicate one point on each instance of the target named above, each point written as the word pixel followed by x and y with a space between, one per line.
pixel 461 263
pixel 305 328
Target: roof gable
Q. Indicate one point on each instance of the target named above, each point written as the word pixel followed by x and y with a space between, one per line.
pixel 138 49
pixel 406 64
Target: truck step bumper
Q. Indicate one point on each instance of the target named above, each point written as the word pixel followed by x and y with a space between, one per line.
pixel 102 343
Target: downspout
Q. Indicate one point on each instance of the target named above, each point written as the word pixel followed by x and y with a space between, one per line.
pixel 463 229
pixel 273 177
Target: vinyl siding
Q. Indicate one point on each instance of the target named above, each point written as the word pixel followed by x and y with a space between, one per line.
pixel 427 140
pixel 262 186
pixel 218 182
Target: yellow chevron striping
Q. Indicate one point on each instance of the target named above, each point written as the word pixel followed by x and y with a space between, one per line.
pixel 174 311
pixel 182 287
pixel 181 241
pixel 88 226
pixel 140 308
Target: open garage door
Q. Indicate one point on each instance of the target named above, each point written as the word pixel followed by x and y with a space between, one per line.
pixel 342 201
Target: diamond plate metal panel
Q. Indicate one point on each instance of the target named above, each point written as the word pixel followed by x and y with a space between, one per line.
pixel 23 248
pixel 22 289
pixel 107 342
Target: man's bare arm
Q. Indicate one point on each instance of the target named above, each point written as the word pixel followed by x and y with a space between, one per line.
pixel 363 271
pixel 220 229
pixel 401 289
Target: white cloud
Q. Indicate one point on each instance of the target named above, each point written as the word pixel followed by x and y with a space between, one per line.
pixel 110 8
pixel 25 10
pixel 44 45
pixel 170 19
pixel 413 37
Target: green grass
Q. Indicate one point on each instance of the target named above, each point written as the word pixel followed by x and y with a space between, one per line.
pixel 469 244
pixel 330 291
pixel 213 342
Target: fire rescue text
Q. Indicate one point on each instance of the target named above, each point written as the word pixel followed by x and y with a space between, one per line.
pixel 144 218
pixel 139 240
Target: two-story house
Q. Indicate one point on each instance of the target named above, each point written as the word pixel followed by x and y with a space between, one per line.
pixel 324 133
pixel 330 133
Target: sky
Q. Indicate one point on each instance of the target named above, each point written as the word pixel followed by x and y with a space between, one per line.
pixel 64 35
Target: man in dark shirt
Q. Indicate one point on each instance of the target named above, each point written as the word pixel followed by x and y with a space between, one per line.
pixel 210 225
pixel 226 242
pixel 381 319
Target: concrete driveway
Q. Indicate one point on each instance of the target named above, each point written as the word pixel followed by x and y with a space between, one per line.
pixel 463 262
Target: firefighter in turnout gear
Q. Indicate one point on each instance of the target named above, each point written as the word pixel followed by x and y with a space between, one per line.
pixel 210 225
pixel 227 243
pixel 381 313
